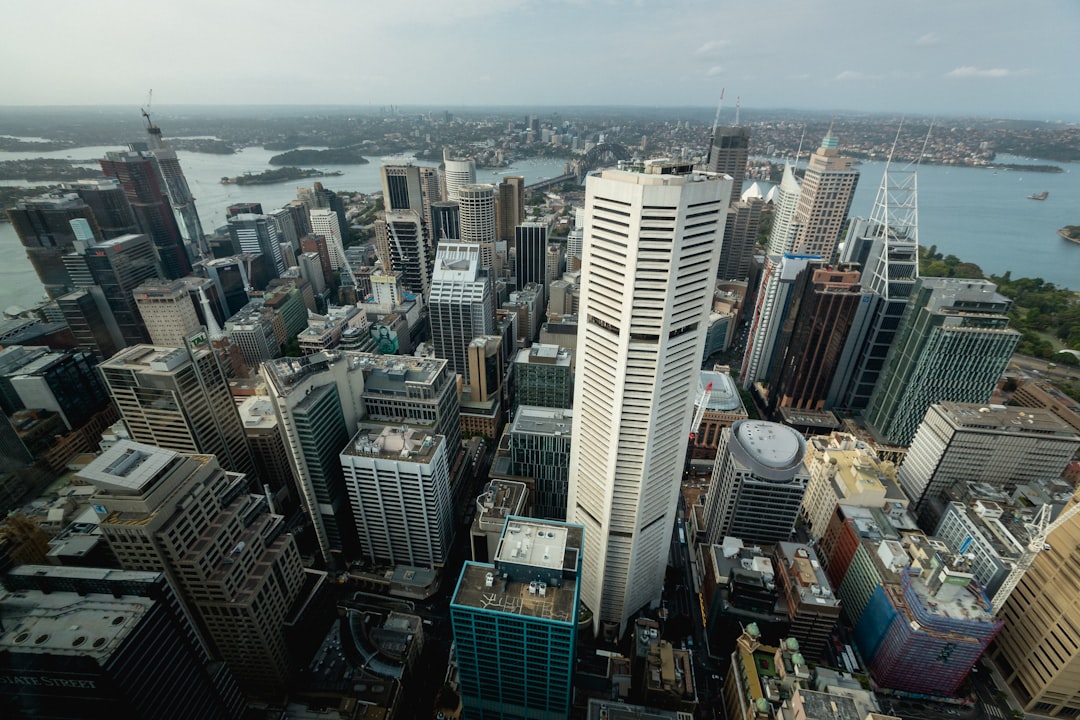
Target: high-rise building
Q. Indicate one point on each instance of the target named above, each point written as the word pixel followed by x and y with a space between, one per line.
pixel 824 200
pixel 509 206
pixel 64 381
pixel 476 207
pixel 236 568
pixel 782 234
pixel 457 173
pixel 1040 394
pixel 43 225
pixel 445 221
pixel 887 248
pixel 825 303
pixel 167 311
pixel 92 642
pixel 398 480
pixel 176 187
pixel 91 323
pixel 812 607
pixel 540 449
pixel 758 484
pixel 327 223
pixel 515 623
pixel 729 151
pixel 953 343
pixel 1000 446
pixel 178 399
pixel 544 376
pixel 106 198
pixel 774 297
pixel 530 246
pixel 1035 652
pixel 740 239
pixel 141 178
pixel 257 234
pixel 399 238
pixel 411 187
pixel 648 274
pixel 461 306
pixel 111 270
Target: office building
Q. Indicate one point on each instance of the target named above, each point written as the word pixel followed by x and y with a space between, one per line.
pixel 953 344
pixel 89 642
pixel 91 323
pixel 116 267
pixel 318 245
pixel 1040 394
pixel 774 298
pixel 446 221
pixel 457 173
pixel 729 151
pixel 65 382
pixel 825 302
pixel 887 248
pixel 544 376
pixel 740 239
pixel 399 237
pixel 1000 446
pixel 327 223
pixel 236 569
pixel 398 481
pixel 515 623
pixel 824 200
pixel 257 234
pixel 782 234
pixel 176 187
pixel 761 675
pixel 509 206
pixel 267 443
pixel 845 470
pixel 1035 652
pixel 991 535
pixel 499 500
pixel 178 399
pixel 461 306
pixel 812 607
pixel 167 311
pixel 758 482
pixel 540 451
pixel 252 330
pixel 476 213
pixel 647 278
pixel 43 225
pixel 106 198
pixel 530 248
pixel 724 408
pixel 141 178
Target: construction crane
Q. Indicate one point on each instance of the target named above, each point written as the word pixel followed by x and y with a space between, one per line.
pixel 1038 530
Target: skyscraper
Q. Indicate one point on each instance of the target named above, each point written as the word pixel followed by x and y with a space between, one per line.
pixel 530 245
pixel 825 303
pixel 43 225
pixel 106 198
pixel 139 175
pixel 176 187
pixel 398 480
pixel 257 234
pixel 411 187
pixel 178 399
pixel 446 221
pixel 824 200
pixel 728 152
pixel 953 343
pixel 168 311
pixel 540 449
pixel 476 204
pixel 740 239
pixel 782 235
pixel 399 238
pixel 887 248
pixel 758 484
pixel 651 247
pixel 509 206
pixel 327 223
pixel 236 569
pixel 515 623
pixel 461 306
pixel 457 173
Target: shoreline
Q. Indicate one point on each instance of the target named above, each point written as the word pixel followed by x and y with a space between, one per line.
pixel 1065 236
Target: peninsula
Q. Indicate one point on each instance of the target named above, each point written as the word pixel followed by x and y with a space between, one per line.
pixel 277 175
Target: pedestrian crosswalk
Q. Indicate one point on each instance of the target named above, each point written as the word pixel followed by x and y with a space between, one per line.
pixel 994 711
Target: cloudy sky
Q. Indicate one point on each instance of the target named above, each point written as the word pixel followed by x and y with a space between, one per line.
pixel 1008 58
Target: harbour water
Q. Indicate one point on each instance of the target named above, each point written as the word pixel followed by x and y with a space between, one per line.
pixel 980 215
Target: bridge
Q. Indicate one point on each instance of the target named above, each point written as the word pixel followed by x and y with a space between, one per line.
pixel 600 156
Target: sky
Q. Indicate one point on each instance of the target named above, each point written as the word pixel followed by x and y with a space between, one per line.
pixel 1002 58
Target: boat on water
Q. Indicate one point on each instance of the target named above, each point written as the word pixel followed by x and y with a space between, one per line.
pixel 1039 196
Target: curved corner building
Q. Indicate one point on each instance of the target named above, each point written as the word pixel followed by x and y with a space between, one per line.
pixel 758 482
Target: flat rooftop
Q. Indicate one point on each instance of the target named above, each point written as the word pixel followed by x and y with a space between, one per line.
pixel 500 500
pixel 66 623
pixel 148 358
pixel 1008 419
pixel 127 468
pixel 825 706
pixel 393 442
pixel 532 420
pixel 801 564
pixel 610 710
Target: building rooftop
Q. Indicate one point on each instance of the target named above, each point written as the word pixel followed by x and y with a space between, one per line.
pixel 127 468
pixel 1001 418
pixel 544 354
pixel 535 572
pixel 771 450
pixel 725 393
pixel 820 419
pixel 825 706
pixel 533 420
pixel 806 574
pixel 500 500
pixel 257 413
pixel 393 442
pixel 610 710
pixel 148 358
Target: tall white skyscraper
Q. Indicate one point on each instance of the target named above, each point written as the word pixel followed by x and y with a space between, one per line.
pixel 477 218
pixel 651 247
pixel 326 222
pixel 461 305
pixel 457 173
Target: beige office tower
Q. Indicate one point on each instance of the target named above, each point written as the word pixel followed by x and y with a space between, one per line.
pixel 178 398
pixel 651 247
pixel 167 310
pixel 510 206
pixel 476 205
pixel 237 571
pixel 1038 651
pixel 824 200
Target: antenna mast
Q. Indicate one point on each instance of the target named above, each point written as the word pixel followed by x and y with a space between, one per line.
pixel 738 107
